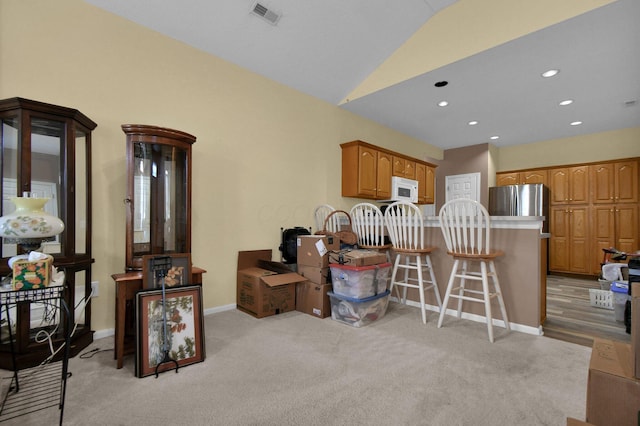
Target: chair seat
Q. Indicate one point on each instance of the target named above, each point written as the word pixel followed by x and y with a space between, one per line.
pixel 426 250
pixel 367 247
pixel 476 256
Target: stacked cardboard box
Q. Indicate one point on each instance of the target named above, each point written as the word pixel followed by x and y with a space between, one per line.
pixel 613 388
pixel 313 264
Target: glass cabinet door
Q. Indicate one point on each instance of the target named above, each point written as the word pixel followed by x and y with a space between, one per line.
pixel 159 192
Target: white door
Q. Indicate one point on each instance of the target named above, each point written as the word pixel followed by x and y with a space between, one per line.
pixel 463 186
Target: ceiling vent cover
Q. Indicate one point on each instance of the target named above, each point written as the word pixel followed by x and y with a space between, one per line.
pixel 265 13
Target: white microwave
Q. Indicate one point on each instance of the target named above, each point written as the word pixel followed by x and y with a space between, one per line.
pixel 404 189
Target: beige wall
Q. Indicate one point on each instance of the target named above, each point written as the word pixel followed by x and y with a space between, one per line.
pixel 266 155
pixel 623 143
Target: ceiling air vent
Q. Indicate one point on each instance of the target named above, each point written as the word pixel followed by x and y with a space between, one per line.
pixel 265 13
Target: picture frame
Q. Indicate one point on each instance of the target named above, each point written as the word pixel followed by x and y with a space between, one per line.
pixel 177 272
pixel 184 325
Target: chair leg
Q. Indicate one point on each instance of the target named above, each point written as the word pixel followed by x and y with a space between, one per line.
pixel 496 284
pixel 393 276
pixel 447 293
pixel 421 288
pixel 407 265
pixel 433 281
pixel 463 282
pixel 487 299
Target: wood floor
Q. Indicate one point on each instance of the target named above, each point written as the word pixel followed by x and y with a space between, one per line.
pixel 571 317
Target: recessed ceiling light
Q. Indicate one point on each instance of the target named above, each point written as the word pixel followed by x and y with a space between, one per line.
pixel 493 138
pixel 566 102
pixel 550 73
pixel 473 123
pixel 443 103
pixel 576 123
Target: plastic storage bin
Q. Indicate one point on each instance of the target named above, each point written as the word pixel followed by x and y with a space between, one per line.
pixel 358 312
pixel 620 291
pixel 360 281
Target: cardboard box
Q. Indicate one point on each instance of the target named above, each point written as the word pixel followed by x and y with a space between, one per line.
pixel 312 299
pixel 313 250
pixel 316 275
pixel 635 328
pixel 357 257
pixel 265 288
pixel 613 394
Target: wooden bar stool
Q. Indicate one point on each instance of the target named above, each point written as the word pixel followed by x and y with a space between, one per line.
pixel 406 230
pixel 466 228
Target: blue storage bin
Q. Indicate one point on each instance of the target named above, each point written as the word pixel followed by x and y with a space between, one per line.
pixel 620 291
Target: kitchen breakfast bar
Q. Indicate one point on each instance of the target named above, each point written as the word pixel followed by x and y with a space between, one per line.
pixel 522 271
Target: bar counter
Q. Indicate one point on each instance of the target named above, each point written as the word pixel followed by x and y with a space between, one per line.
pixel 522 272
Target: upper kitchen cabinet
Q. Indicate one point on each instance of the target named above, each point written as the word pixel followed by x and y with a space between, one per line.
pixel 522 177
pixel 615 182
pixel 367 171
pixel 425 175
pixel 569 185
pixel 404 167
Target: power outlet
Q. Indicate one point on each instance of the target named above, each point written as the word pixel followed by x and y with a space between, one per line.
pixel 94 288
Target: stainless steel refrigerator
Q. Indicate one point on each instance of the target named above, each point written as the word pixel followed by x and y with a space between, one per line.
pixel 520 200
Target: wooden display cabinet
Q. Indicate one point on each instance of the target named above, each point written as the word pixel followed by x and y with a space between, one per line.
pixel 158 192
pixel 159 170
pixel 47 149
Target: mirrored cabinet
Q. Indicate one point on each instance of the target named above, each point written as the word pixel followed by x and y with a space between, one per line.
pixel 46 150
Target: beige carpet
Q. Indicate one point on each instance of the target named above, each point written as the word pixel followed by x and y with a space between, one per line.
pixel 294 369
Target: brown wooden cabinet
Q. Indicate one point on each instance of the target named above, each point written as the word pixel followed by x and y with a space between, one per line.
pixel 522 178
pixel 425 175
pixel 569 245
pixel 569 185
pixel 404 167
pixel 367 171
pixel 614 182
pixel 613 225
pixel 593 206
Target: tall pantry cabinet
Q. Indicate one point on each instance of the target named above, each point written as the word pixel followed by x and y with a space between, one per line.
pixel 615 206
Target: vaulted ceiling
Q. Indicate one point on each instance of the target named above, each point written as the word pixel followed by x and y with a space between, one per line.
pixel 382 59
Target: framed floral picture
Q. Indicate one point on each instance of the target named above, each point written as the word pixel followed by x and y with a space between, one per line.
pixel 170 331
pixel 174 269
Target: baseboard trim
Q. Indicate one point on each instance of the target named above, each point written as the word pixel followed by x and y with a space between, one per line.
pixel 527 329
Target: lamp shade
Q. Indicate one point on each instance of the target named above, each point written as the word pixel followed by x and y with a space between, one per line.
pixel 30 221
